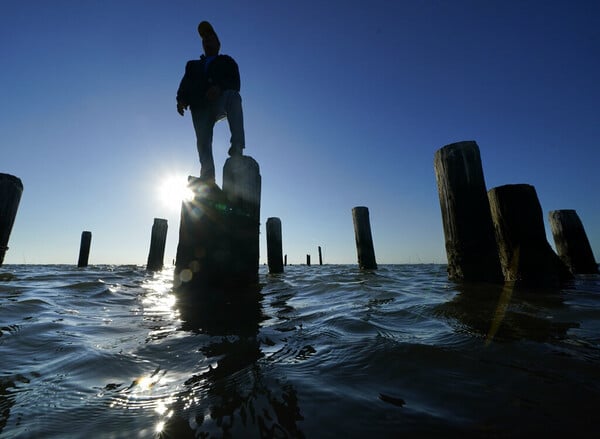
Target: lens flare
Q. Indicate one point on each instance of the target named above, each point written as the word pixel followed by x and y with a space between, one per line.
pixel 173 190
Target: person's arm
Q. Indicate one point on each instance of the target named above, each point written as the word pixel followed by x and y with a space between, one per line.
pixel 183 91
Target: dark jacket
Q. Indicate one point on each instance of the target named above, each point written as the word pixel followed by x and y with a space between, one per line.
pixel 222 71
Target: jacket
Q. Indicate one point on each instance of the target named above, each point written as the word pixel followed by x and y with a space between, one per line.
pixel 222 71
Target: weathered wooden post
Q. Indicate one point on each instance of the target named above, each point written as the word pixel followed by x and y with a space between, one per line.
pixel 157 245
pixel 320 256
pixel 308 260
pixel 203 247
pixel 525 255
pixel 274 245
pixel 285 260
pixel 219 231
pixel 84 249
pixel 363 237
pixel 242 187
pixel 11 189
pixel 571 242
pixel 469 234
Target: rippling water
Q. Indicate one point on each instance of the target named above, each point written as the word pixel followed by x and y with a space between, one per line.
pixel 326 351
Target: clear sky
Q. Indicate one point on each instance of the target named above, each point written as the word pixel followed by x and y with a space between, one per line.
pixel 345 104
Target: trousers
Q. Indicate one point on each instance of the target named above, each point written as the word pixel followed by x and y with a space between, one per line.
pixel 228 105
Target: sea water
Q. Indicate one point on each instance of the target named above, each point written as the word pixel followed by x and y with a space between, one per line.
pixel 324 351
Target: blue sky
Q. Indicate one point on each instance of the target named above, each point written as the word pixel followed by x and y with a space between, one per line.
pixel 345 104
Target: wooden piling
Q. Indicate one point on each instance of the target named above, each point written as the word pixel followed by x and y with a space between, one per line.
pixel 11 189
pixel 469 234
pixel 219 231
pixel 157 245
pixel 84 249
pixel 308 260
pixel 242 187
pixel 363 238
pixel 320 256
pixel 571 241
pixel 274 245
pixel 285 260
pixel 525 255
pixel 203 248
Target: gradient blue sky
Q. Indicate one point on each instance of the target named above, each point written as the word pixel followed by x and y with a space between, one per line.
pixel 345 104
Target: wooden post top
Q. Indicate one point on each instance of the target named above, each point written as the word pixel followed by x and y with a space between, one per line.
pixel 12 179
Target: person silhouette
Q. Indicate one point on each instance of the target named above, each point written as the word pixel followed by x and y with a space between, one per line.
pixel 210 88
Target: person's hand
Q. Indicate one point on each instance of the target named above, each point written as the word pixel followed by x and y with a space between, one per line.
pixel 213 93
pixel 181 107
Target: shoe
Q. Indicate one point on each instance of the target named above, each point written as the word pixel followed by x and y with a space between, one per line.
pixel 235 151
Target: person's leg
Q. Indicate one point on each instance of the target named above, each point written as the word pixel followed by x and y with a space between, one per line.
pixel 204 122
pixel 230 104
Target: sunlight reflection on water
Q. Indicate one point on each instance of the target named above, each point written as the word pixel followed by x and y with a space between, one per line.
pixel 112 352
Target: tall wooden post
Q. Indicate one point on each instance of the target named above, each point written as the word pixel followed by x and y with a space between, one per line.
pixel 11 189
pixel 203 248
pixel 308 260
pixel 242 187
pixel 157 245
pixel 525 254
pixel 285 260
pixel 84 249
pixel 274 245
pixel 320 256
pixel 571 242
pixel 469 234
pixel 219 231
pixel 363 238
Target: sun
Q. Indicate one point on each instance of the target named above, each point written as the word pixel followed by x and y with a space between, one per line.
pixel 173 190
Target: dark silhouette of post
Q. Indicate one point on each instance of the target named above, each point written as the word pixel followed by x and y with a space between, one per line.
pixel 469 234
pixel 203 249
pixel 363 238
pixel 571 241
pixel 157 245
pixel 525 255
pixel 285 260
pixel 219 231
pixel 84 249
pixel 242 187
pixel 320 256
pixel 308 260
pixel 11 189
pixel 274 245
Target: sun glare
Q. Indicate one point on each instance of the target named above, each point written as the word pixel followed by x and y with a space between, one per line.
pixel 173 190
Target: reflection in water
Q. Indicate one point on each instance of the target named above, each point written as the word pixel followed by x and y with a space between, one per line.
pixel 500 311
pixel 320 351
pixel 231 397
pixel 506 312
pixel 6 400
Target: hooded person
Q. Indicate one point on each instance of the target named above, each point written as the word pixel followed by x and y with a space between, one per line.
pixel 210 88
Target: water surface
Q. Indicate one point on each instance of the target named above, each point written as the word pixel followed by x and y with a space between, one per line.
pixel 326 351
